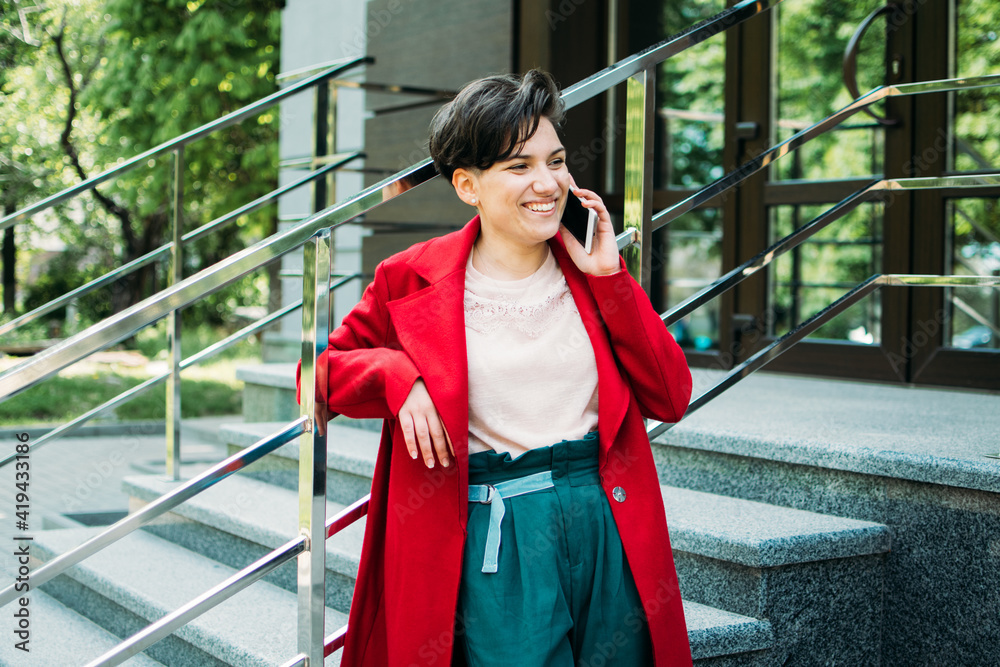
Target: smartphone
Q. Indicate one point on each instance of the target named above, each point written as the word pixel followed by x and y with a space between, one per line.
pixel 580 221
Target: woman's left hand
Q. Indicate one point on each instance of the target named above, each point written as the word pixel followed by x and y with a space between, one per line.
pixel 603 259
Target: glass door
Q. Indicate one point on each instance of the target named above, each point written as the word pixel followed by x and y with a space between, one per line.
pixel 926 336
pixel 745 90
pixel 810 39
pixel 954 335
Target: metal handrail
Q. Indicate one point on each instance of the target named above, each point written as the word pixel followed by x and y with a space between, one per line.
pixel 975 315
pixel 198 606
pixel 186 138
pixel 619 72
pixel 877 190
pixel 347 516
pixel 298 661
pixel 193 360
pixel 778 347
pixel 161 505
pixel 335 641
pixel 164 249
pixel 763 160
pixel 124 324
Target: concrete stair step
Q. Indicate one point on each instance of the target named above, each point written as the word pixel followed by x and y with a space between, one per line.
pixel 914 459
pixel 350 461
pixel 240 519
pixel 268 392
pixel 721 638
pixel 757 534
pixel 60 636
pixel 233 519
pixel 142 577
pixel 818 579
pixel 924 435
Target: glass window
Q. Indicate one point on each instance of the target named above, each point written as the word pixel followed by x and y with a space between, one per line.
pixel 976 126
pixel 694 261
pixel 810 277
pixel 811 37
pixel 973 313
pixel 691 102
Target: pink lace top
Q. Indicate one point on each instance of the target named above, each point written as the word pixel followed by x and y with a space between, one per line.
pixel 532 373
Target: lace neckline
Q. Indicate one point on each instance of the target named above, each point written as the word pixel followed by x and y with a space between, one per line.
pixel 528 306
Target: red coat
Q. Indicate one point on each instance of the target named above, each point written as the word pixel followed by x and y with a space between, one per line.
pixel 410 323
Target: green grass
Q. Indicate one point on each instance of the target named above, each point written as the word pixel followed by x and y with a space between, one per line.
pixel 61 399
pixel 209 389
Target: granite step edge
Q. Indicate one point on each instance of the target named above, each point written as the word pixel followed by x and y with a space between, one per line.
pixel 168 576
pixel 714 633
pixel 255 511
pixel 61 636
pixel 349 449
pixel 280 375
pixel 982 475
pixel 757 534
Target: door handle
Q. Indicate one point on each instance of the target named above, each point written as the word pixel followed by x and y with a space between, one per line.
pixel 851 61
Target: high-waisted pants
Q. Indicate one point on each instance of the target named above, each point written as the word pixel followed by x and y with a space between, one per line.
pixel 562 594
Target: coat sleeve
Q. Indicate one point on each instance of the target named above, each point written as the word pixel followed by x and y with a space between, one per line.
pixel 651 360
pixel 360 375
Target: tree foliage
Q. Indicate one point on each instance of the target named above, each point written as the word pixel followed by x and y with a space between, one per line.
pixel 110 79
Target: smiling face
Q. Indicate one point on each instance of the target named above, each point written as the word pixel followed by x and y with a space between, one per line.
pixel 520 199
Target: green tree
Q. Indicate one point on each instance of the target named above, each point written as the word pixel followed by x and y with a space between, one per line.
pixel 112 78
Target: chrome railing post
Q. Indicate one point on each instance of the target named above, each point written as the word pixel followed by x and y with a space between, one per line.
pixel 639 173
pixel 173 426
pixel 312 449
pixel 322 145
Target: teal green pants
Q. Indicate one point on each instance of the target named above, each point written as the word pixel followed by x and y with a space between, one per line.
pixel 562 594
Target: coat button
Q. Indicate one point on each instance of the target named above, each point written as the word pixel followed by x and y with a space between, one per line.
pixel 618 494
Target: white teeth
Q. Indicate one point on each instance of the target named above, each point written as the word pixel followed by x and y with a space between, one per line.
pixel 541 208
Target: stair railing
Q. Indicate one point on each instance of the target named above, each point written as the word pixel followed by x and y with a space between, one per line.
pixel 193 360
pixel 335 162
pixel 178 143
pixel 322 82
pixel 314 234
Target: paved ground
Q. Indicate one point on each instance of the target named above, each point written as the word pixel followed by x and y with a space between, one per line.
pixel 82 475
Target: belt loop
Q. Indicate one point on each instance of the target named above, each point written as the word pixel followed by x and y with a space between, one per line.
pixel 560 459
pixel 497 510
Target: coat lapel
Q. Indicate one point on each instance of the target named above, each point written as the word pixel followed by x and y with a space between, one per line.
pixel 430 324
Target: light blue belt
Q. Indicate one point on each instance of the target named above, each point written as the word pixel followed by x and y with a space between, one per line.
pixel 493 495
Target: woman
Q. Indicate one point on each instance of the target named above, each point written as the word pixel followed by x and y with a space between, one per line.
pixel 516 515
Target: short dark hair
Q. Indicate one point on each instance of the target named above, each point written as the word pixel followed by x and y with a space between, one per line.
pixel 491 118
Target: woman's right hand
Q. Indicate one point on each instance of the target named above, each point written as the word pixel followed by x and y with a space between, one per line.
pixel 423 429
